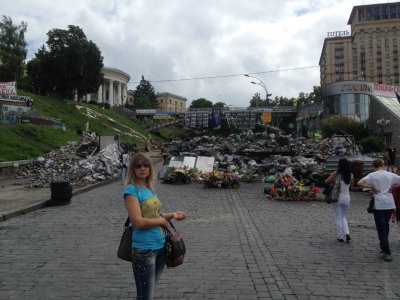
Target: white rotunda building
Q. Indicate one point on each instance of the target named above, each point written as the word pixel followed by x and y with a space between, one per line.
pixel 114 89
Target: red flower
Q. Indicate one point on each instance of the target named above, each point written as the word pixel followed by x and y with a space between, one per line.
pixel 315 190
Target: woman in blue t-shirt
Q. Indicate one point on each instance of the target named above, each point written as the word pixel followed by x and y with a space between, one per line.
pixel 148 237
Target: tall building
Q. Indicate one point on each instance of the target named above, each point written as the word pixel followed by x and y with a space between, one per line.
pixel 369 51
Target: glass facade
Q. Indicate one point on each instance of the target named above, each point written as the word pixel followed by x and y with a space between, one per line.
pixel 355 106
pixel 391 103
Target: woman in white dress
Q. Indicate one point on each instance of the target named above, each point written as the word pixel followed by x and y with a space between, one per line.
pixel 340 208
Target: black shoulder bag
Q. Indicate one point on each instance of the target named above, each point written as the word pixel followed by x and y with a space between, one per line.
pixel 125 245
pixel 174 248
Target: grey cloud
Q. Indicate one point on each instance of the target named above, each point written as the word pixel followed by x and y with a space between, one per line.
pixel 190 38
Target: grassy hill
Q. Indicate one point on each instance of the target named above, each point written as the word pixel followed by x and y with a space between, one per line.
pixel 24 141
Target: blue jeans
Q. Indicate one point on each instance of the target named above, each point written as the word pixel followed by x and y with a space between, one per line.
pixel 382 217
pixel 147 267
pixel 123 174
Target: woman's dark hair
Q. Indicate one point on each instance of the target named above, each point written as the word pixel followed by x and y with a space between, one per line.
pixel 344 170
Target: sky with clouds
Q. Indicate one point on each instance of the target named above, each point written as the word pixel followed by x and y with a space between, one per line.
pixel 199 49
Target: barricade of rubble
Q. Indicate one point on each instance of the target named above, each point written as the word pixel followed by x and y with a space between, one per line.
pixel 67 164
pixel 254 157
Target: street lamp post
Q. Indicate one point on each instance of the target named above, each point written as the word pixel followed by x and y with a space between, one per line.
pixel 382 123
pixel 260 83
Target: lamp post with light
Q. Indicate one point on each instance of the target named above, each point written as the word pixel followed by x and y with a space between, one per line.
pixel 382 123
pixel 260 83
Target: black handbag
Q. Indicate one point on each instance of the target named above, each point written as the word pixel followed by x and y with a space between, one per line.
pixel 332 191
pixel 125 245
pixel 371 204
pixel 174 248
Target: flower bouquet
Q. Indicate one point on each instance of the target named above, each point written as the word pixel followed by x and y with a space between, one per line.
pixel 287 188
pixel 181 175
pixel 314 193
pixel 220 179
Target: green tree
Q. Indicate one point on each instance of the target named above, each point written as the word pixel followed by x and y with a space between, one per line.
pixel 316 94
pixel 12 49
pixel 284 101
pixel 219 105
pixel 314 97
pixel 37 71
pixel 142 102
pixel 201 103
pixel 372 143
pixel 144 95
pixel 256 101
pixel 69 63
pixel 339 124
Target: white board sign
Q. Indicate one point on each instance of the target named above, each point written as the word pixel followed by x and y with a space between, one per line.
pixel 176 162
pixel 205 163
pixel 189 161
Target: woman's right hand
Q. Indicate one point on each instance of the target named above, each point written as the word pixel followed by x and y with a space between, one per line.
pixel 179 215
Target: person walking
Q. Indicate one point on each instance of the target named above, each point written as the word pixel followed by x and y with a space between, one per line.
pixel 340 208
pixel 125 162
pixel 391 157
pixel 149 234
pixel 381 182
pixel 396 196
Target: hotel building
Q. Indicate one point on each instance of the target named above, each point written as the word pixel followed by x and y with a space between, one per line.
pixel 359 69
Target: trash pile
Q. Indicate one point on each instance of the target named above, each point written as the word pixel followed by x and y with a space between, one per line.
pixel 255 156
pixel 66 164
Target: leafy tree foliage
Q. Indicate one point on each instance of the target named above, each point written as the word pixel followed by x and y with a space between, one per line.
pixel 69 62
pixel 12 49
pixel 144 96
pixel 372 143
pixel 339 124
pixel 314 97
pixel 284 101
pixel 37 69
pixel 201 103
pixel 219 105
pixel 256 101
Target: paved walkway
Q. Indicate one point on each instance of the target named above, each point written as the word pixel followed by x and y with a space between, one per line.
pixel 239 246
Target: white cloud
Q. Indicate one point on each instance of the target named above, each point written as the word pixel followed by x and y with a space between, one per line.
pixel 180 39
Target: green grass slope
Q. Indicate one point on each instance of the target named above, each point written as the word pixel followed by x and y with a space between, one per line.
pixel 24 141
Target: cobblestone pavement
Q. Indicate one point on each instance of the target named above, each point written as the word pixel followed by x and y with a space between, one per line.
pixel 239 246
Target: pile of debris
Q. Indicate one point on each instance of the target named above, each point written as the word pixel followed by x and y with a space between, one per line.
pixel 256 156
pixel 66 164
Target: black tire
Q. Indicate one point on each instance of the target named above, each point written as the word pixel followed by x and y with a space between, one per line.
pixel 59 184
pixel 58 202
pixel 61 196
pixel 62 190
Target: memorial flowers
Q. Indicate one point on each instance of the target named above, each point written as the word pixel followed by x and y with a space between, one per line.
pixel 220 179
pixel 182 175
pixel 288 188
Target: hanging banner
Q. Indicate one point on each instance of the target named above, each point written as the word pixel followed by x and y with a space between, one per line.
pixel 8 88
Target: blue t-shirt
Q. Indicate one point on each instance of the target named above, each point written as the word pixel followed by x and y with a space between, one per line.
pixel 149 238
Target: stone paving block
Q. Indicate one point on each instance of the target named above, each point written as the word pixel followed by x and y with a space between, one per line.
pixel 240 246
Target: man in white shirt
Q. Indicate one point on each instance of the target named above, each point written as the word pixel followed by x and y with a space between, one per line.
pixel 381 182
